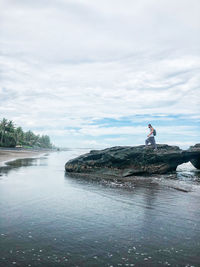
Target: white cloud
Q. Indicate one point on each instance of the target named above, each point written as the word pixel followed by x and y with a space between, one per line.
pixel 67 64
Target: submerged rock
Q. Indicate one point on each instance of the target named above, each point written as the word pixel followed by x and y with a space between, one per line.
pixel 129 161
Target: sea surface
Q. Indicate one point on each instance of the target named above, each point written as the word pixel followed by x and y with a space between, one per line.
pixel 50 219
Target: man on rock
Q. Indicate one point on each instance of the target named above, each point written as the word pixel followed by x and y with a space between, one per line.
pixel 151 138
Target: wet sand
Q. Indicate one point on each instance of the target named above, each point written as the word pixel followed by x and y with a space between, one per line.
pixel 7 155
pixel 132 181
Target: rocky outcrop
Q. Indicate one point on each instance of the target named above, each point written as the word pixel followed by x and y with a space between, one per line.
pixel 129 161
pixel 194 152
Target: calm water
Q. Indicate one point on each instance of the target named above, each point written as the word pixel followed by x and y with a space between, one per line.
pixel 50 219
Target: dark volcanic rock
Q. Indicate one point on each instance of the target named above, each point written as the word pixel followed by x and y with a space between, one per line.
pixel 195 150
pixel 129 161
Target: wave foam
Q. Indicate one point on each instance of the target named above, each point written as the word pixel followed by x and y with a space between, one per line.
pixel 186 167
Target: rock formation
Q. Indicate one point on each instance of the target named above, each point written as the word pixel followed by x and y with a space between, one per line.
pixel 129 161
pixel 195 151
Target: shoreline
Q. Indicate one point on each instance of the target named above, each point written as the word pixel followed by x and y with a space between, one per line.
pixel 131 182
pixel 9 155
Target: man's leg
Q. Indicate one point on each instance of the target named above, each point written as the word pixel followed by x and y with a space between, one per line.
pixel 153 142
pixel 146 142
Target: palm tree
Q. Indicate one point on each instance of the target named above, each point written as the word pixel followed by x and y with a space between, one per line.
pixel 11 136
pixel 10 128
pixel 19 135
pixel 3 125
pixel 29 138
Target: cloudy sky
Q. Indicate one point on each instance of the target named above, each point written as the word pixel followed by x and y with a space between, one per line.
pixel 94 73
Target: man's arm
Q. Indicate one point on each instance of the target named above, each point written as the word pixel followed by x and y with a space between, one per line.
pixel 150 132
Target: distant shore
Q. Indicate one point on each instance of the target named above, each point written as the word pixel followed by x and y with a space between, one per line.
pixel 7 154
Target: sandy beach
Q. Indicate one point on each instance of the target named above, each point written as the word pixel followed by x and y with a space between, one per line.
pixel 7 155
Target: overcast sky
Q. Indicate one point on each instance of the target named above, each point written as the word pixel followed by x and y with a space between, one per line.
pixel 94 73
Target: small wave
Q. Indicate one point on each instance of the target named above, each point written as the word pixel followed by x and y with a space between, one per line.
pixel 186 167
pixel 186 181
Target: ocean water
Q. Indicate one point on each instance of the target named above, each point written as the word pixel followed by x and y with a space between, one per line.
pixel 50 219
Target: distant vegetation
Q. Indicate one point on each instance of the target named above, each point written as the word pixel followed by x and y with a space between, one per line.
pixel 10 136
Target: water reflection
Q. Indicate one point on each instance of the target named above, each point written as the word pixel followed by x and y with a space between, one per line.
pixel 15 164
pixel 147 225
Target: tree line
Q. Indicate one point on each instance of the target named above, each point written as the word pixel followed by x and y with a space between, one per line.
pixel 11 136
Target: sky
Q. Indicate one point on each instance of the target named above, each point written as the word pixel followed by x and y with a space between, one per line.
pixel 93 73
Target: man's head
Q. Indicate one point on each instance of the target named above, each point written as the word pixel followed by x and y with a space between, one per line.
pixel 149 125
